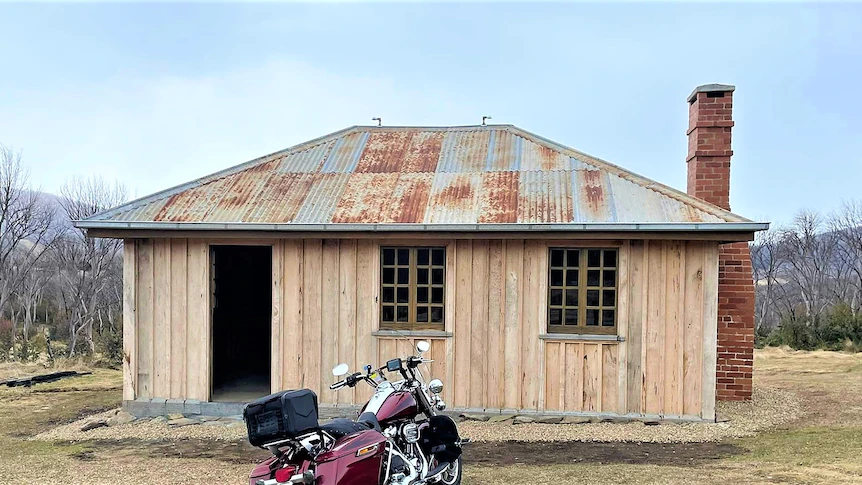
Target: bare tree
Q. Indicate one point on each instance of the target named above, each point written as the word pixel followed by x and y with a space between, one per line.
pixel 808 254
pixel 769 286
pixel 26 223
pixel 847 226
pixel 88 267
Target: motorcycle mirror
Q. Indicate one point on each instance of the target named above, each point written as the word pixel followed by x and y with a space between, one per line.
pixel 340 370
pixel 423 346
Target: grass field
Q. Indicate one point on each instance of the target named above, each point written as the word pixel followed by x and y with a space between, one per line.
pixel 823 446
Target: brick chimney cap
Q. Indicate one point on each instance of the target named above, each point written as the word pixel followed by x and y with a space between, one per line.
pixel 711 88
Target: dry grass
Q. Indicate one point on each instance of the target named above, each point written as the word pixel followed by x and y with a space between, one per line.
pixel 18 369
pixel 823 445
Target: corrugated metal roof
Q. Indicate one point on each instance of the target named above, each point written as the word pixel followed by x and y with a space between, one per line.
pixel 496 174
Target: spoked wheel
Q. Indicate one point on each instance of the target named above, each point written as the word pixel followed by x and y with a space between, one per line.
pixel 452 474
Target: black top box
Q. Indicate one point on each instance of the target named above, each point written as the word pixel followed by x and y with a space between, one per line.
pixel 279 416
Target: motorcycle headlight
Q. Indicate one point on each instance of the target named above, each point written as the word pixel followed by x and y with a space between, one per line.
pixel 435 386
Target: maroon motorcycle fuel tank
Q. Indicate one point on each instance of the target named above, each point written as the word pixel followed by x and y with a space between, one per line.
pixel 399 405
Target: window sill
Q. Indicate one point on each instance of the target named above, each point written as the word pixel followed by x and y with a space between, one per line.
pixel 582 337
pixel 411 333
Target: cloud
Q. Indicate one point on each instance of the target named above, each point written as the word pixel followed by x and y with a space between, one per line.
pixel 155 132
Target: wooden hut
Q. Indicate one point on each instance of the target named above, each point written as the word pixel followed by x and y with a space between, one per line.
pixel 545 279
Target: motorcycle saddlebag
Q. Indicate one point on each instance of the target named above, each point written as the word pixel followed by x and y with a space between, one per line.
pixel 440 438
pixel 279 416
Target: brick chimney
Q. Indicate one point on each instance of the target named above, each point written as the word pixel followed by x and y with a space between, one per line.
pixel 710 121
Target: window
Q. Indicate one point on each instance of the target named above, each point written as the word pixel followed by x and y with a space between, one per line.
pixel 582 290
pixel 412 287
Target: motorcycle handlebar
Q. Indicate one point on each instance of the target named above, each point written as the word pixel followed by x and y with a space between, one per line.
pixel 350 381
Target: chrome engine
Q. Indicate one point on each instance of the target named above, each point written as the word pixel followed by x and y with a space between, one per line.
pixel 406 463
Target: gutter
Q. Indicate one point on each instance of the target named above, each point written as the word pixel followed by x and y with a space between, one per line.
pixel 406 227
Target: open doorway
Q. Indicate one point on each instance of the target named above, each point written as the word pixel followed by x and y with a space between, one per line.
pixel 241 322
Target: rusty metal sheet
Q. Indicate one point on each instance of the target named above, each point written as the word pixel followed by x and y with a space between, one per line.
pixel 280 197
pixel 194 204
pixel 593 203
pixel 143 212
pixel 365 197
pixel 464 151
pixel 409 198
pixel 309 161
pixel 345 153
pixel 237 197
pixel 384 198
pixel 545 197
pixel 384 152
pixel 504 152
pixel 453 198
pixel 423 152
pixel 368 175
pixel 498 197
pixel 323 195
pixel 539 157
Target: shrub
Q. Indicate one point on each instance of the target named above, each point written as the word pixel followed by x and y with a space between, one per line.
pixel 837 329
pixel 5 339
pixel 109 345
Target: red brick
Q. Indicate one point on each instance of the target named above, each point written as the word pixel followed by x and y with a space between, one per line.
pixel 709 150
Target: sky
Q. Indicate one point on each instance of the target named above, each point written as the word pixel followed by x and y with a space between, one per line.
pixel 154 95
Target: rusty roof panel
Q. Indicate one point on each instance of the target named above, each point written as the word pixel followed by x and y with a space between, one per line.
pixel 280 197
pixel 409 198
pixel 236 198
pixel 498 197
pixel 545 197
pixel 305 161
pixel 460 175
pixel 423 152
pixel 464 151
pixel 365 197
pixel 323 195
pixel 504 152
pixel 384 152
pixel 193 204
pixel 345 153
pixel 539 157
pixel 146 212
pixel 593 198
pixel 453 198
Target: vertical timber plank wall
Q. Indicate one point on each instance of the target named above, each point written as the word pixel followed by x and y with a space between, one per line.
pixel 167 300
pixel 130 323
pixel 665 365
pixel 325 309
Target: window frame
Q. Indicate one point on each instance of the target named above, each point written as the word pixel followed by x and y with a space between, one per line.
pixel 412 304
pixel 583 267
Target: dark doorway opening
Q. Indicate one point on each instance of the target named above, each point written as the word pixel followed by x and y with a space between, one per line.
pixel 242 322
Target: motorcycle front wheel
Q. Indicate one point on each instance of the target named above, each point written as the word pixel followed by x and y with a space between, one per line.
pixel 452 474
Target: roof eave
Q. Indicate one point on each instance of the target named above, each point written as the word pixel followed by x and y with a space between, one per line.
pixel 402 227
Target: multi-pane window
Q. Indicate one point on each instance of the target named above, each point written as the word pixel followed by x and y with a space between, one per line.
pixel 582 290
pixel 412 287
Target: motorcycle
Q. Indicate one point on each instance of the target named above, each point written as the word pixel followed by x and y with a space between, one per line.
pixel 399 437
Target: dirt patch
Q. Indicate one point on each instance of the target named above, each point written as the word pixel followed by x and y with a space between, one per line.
pixel 516 452
pixel 235 452
pixel 484 454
